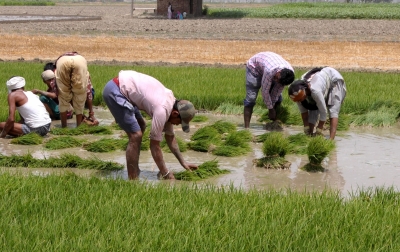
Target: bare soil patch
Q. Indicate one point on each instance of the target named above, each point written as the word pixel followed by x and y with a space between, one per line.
pixel 371 45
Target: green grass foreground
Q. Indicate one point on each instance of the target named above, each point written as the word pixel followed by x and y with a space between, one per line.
pixel 26 3
pixel 71 213
pixel 208 88
pixel 312 10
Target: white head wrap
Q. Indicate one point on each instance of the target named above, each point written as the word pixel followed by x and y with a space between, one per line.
pixel 15 83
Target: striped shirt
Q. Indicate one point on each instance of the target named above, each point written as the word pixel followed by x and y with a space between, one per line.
pixel 267 64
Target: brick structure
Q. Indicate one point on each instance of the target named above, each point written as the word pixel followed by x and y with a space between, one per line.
pixel 193 8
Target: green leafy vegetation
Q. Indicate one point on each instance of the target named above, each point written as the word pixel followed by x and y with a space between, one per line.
pixel 28 139
pixel 62 142
pixel 205 170
pixel 312 10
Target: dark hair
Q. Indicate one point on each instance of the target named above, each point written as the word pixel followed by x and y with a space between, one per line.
pixel 295 87
pixel 311 72
pixel 49 66
pixel 287 77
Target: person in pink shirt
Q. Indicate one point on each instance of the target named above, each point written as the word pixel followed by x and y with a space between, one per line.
pixel 269 72
pixel 130 92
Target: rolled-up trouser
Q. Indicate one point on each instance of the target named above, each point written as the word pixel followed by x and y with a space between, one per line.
pixel 72 78
pixel 52 105
pixel 123 111
pixel 253 85
pixel 334 102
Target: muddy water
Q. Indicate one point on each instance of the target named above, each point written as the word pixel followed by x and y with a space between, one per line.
pixel 363 158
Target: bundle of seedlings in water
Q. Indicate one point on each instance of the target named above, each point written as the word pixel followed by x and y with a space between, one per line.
pixel 275 147
pixel 235 144
pixel 83 129
pixel 62 142
pixel 64 161
pixel 224 127
pixel 28 139
pixel 106 145
pixel 205 139
pixel 183 146
pixel 318 149
pixel 199 118
pixel 298 143
pixel 205 170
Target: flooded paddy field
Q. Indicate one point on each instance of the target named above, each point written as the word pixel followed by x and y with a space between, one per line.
pixel 363 158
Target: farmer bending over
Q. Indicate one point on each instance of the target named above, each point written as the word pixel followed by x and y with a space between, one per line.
pixel 130 92
pixel 270 72
pixel 319 90
pixel 34 117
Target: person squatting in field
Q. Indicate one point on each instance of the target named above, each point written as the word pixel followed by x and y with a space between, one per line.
pixel 270 72
pixel 130 92
pixel 320 91
pixel 52 104
pixel 34 117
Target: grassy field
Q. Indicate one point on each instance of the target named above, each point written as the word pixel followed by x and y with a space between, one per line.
pixel 371 97
pixel 71 213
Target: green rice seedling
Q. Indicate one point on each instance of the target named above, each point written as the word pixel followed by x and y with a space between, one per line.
pixel 205 133
pixel 229 108
pixel 205 170
pixel 200 118
pixel 201 145
pixel 224 126
pixel 145 140
pixel 83 129
pixel 106 145
pixel 229 151
pixel 183 146
pixel 62 142
pixel 318 148
pixel 298 143
pixel 28 139
pixel 274 148
pixel 261 138
pixel 64 161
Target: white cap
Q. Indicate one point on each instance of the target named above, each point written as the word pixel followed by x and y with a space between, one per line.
pixel 15 83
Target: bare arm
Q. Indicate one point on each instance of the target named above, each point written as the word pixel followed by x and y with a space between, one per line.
pixel 157 154
pixel 51 95
pixel 174 147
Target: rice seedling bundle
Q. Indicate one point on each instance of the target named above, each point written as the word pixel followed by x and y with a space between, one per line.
pixel 64 161
pixel 106 145
pixel 298 143
pixel 183 146
pixel 199 118
pixel 224 126
pixel 83 129
pixel 205 138
pixel 318 149
pixel 62 142
pixel 274 148
pixel 235 144
pixel 28 139
pixel 229 151
pixel 205 170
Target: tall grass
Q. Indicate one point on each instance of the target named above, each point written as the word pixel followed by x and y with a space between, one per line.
pixel 312 10
pixel 70 213
pixel 209 88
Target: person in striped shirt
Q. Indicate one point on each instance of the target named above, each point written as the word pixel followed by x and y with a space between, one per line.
pixel 270 72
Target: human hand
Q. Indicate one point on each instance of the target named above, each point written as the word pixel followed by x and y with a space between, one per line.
pixel 272 114
pixel 35 91
pixel 169 175
pixel 190 167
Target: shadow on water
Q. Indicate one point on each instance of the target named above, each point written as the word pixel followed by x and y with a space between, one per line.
pixel 363 158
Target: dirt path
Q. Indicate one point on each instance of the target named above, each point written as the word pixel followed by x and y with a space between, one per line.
pixel 344 44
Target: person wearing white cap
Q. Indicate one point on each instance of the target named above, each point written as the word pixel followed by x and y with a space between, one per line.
pixel 130 92
pixel 34 117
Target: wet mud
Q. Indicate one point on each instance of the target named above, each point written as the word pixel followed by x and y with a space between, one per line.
pixel 363 158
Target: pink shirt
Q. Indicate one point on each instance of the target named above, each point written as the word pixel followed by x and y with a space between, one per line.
pixel 149 95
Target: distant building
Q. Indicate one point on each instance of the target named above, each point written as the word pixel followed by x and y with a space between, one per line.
pixel 193 8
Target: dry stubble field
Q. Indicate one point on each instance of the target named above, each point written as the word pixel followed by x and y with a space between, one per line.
pixel 364 45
